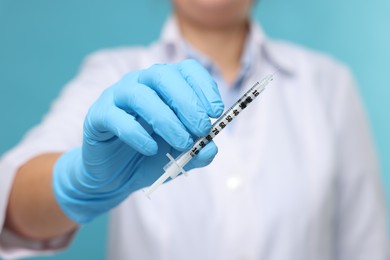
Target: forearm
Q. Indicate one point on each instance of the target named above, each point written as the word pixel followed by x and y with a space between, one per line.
pixel 32 210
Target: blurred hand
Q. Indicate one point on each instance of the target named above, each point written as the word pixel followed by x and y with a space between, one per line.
pixel 128 131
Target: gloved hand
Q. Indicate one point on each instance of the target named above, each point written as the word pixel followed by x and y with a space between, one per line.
pixel 128 131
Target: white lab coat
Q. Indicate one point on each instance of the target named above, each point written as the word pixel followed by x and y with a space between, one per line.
pixel 296 176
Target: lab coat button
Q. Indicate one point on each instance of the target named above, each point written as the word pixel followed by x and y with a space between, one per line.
pixel 234 182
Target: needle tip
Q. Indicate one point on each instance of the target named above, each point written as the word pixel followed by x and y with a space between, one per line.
pixel 147 194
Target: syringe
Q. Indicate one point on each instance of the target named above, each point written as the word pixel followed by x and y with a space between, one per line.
pixel 175 166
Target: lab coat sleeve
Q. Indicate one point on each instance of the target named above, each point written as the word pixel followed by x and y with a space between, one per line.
pixel 361 223
pixel 60 130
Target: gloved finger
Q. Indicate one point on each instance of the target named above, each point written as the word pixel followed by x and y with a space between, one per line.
pixel 170 85
pixel 145 103
pixel 204 157
pixel 127 129
pixel 203 85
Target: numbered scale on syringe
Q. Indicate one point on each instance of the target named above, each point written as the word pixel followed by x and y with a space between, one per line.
pixel 227 117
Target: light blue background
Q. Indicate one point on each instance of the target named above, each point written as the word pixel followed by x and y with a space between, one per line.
pixel 42 43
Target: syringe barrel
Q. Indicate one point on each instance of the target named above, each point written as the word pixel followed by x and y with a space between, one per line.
pixel 175 166
pixel 230 114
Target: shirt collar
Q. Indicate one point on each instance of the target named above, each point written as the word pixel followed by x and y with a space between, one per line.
pixel 257 45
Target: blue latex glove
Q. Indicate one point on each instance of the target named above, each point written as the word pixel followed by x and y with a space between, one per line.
pixel 128 131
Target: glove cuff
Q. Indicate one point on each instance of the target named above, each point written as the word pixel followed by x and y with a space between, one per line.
pixel 74 202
